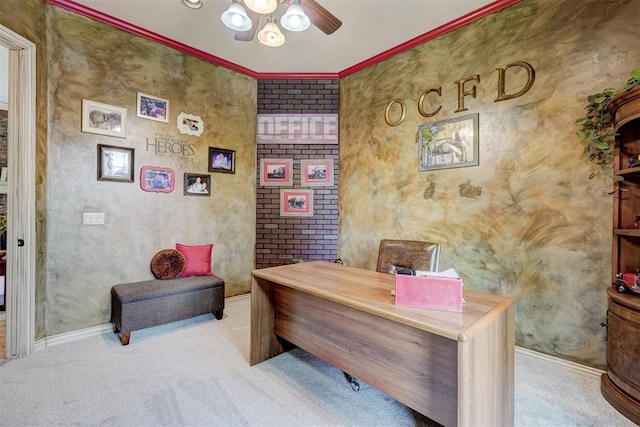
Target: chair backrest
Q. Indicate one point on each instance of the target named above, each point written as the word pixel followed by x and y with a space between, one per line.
pixel 414 254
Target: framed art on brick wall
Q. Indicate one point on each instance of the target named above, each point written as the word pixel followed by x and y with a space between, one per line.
pixel 276 171
pixel 296 202
pixel 316 172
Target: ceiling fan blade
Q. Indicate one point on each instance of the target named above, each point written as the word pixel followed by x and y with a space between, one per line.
pixel 247 36
pixel 320 17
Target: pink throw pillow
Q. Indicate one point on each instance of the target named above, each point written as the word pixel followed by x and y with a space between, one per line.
pixel 198 259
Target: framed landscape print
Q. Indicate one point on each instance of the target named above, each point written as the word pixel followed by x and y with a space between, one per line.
pixel 449 143
pixel 316 172
pixel 276 172
pixel 296 202
pixel 104 119
pixel 115 163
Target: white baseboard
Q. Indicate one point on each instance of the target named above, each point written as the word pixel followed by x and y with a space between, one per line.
pixel 73 336
pixel 560 362
pixel 95 330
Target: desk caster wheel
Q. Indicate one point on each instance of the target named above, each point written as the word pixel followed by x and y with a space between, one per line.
pixel 355 385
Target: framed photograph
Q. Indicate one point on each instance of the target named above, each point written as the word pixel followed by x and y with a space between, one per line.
pixel 449 143
pixel 152 108
pixel 104 119
pixel 115 163
pixel 276 171
pixel 190 125
pixel 296 202
pixel 196 184
pixel 316 172
pixel 158 180
pixel 222 160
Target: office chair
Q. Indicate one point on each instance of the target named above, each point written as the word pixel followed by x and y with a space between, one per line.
pixel 396 254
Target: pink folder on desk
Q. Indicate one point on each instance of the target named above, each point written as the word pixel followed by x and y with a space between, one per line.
pixel 434 292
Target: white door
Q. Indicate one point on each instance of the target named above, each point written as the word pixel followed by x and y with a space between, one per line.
pixel 21 242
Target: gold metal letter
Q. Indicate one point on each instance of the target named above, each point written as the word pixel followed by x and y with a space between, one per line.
pixel 403 114
pixel 462 93
pixel 421 102
pixel 531 77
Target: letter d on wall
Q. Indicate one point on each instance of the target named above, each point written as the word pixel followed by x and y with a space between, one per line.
pixel 531 77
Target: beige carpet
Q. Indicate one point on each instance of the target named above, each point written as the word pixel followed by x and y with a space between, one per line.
pixel 2 341
pixel 196 373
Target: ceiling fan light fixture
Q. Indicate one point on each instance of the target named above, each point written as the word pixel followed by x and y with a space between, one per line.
pixel 295 19
pixel 271 35
pixel 192 4
pixel 236 18
pixel 262 6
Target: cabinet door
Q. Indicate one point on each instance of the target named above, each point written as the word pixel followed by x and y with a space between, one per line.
pixel 623 348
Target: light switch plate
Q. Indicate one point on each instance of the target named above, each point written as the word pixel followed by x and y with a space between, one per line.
pixel 93 218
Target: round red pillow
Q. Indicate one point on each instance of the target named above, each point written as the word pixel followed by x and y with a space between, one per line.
pixel 168 264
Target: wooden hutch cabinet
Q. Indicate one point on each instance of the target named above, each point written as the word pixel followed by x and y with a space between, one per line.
pixel 620 384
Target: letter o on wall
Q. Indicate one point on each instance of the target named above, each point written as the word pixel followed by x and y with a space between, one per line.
pixel 403 112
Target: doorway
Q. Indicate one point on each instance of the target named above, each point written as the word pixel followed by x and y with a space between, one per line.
pixel 21 242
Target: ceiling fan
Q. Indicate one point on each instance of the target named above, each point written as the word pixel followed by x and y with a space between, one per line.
pixel 324 20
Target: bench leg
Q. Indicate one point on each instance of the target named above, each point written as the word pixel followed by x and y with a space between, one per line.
pixel 125 338
pixel 218 313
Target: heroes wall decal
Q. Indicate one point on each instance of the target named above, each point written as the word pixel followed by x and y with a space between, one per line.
pixel 169 144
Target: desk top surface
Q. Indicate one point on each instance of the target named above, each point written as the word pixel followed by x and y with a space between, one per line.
pixel 371 292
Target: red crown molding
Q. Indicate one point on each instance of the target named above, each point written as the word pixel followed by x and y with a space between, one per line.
pixel 150 35
pixel 443 29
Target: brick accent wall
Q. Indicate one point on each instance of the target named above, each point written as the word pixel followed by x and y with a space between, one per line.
pixel 279 239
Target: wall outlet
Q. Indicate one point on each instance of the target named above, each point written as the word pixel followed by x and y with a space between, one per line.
pixel 93 218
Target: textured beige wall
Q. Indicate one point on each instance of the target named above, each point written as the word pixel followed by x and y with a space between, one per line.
pixel 89 60
pixel 526 222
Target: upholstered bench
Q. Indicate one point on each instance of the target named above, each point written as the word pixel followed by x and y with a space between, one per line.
pixel 155 302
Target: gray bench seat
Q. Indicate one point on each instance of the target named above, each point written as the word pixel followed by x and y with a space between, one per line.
pixel 155 302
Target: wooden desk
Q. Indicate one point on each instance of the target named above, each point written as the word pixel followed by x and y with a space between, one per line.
pixel 455 368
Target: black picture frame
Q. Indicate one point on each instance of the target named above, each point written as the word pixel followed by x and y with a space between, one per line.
pixel 222 160
pixel 115 163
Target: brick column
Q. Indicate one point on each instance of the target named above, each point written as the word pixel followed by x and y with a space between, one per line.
pixel 279 239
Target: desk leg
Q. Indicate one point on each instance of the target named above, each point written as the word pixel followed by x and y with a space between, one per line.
pixel 264 342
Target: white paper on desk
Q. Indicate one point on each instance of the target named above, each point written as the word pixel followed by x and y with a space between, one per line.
pixel 446 273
